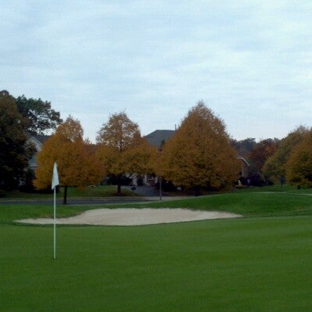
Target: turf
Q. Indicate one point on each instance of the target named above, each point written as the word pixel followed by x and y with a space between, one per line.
pixel 247 204
pixel 234 265
pixel 258 263
pixel 73 192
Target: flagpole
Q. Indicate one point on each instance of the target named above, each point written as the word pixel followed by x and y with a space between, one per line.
pixel 55 182
pixel 54 223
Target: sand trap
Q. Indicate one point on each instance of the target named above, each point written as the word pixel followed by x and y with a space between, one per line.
pixel 132 216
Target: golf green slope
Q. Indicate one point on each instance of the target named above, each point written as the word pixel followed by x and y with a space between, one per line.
pixel 258 263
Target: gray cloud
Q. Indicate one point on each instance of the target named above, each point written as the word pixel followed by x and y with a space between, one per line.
pixel 249 61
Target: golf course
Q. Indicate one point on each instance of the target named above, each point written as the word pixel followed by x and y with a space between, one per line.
pixel 258 262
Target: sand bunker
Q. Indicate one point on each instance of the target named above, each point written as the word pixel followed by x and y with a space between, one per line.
pixel 132 216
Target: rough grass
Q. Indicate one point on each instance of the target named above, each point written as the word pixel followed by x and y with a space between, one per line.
pixel 73 192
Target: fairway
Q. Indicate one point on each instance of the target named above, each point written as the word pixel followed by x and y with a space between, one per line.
pixel 247 264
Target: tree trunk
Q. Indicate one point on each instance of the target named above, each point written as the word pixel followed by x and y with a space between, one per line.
pixel 119 185
pixel 65 195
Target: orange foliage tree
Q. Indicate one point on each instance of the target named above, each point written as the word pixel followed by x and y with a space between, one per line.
pixel 299 166
pixel 77 164
pixel 200 154
pixel 275 166
pixel 121 148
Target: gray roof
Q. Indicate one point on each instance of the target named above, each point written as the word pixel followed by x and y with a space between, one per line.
pixel 42 138
pixel 39 138
pixel 159 137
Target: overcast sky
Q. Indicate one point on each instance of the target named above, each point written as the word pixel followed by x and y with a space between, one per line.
pixel 250 61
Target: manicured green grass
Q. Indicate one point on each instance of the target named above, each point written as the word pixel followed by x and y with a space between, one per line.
pixel 258 263
pixel 246 204
pixel 277 188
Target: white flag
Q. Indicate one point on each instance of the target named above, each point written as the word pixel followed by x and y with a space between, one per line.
pixel 55 177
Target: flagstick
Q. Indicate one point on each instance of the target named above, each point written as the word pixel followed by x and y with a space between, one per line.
pixel 54 222
pixel 55 182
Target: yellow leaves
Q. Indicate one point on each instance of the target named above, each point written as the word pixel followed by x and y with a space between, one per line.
pixel 200 153
pixel 299 166
pixel 119 133
pixel 77 164
pixel 121 148
pixel 275 167
pixel 71 130
pixel 140 158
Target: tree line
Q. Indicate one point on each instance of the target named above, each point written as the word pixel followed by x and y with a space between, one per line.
pixel 200 155
pixel 274 161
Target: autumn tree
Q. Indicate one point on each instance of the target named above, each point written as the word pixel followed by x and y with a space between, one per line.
pixel 275 166
pixel 121 148
pixel 38 115
pixel 299 165
pixel 77 164
pixel 261 152
pixel 15 152
pixel 200 154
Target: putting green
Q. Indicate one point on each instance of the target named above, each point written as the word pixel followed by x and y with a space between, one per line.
pixel 258 264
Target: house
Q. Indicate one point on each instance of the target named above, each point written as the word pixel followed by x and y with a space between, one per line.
pixel 245 167
pixel 37 141
pixel 159 137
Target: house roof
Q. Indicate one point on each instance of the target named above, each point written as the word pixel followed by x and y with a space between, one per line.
pixel 244 160
pixel 40 139
pixel 158 137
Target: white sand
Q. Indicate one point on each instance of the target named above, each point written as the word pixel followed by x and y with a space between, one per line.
pixel 133 216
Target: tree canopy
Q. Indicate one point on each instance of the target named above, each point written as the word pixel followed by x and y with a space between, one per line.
pixel 77 164
pixel 299 165
pixel 244 147
pixel 121 148
pixel 261 152
pixel 275 166
pixel 14 150
pixel 40 118
pixel 200 154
